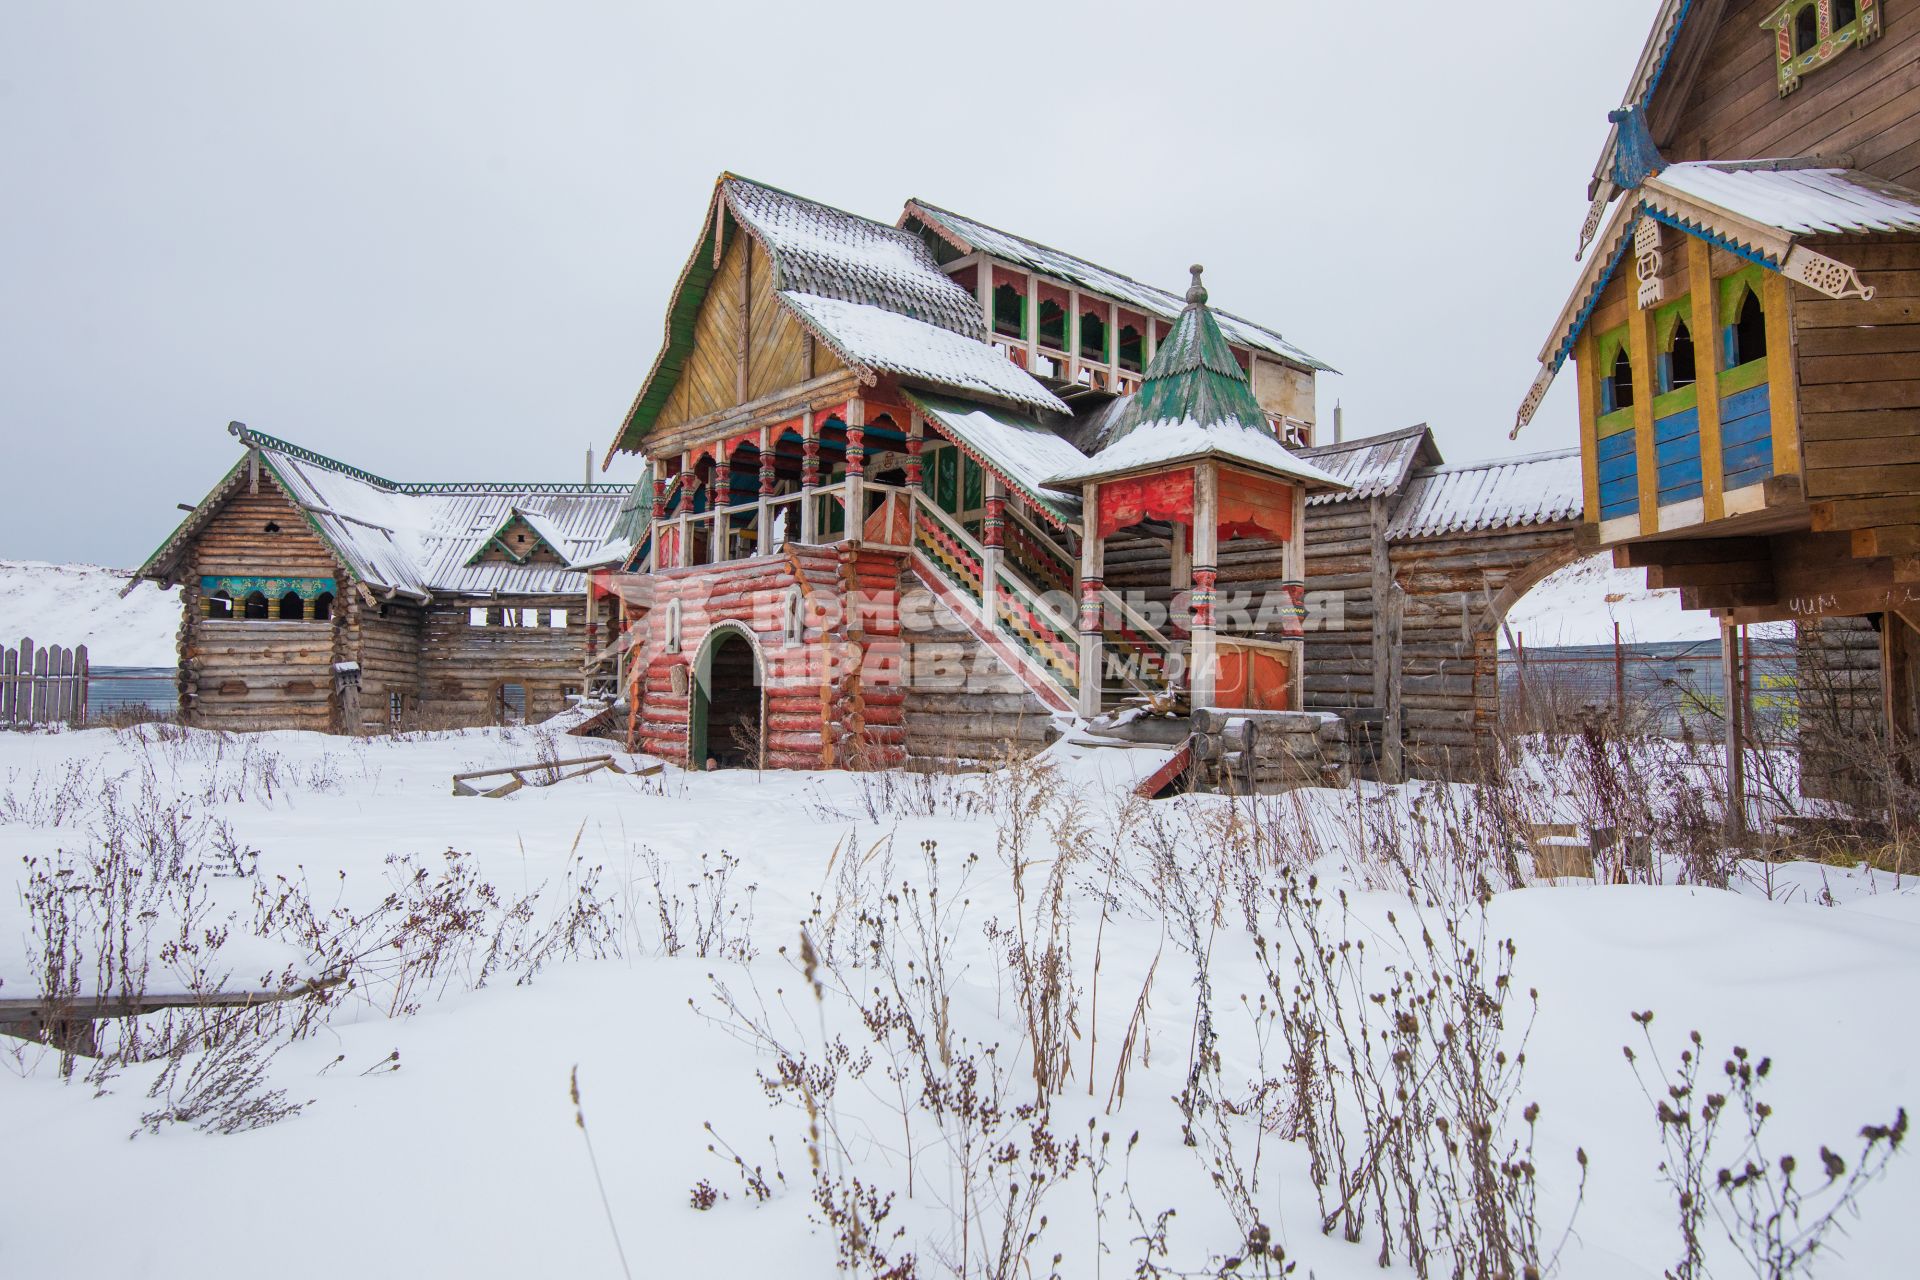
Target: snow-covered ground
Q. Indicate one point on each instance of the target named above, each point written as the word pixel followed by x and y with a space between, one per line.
pixel 444 1142
pixel 1579 605
pixel 75 604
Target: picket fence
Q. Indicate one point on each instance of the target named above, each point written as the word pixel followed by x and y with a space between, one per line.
pixel 43 685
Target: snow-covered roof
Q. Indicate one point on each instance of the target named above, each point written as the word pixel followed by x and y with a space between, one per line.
pixel 1781 197
pixel 971 236
pixel 877 339
pixel 1542 488
pixel 1019 450
pixel 1373 466
pixel 1194 402
pixel 830 253
pixel 417 539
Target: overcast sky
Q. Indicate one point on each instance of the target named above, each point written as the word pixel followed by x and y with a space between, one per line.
pixel 436 240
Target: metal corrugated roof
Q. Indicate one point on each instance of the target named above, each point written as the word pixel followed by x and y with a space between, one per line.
pixel 1373 466
pixel 1080 273
pixel 1542 488
pixel 417 538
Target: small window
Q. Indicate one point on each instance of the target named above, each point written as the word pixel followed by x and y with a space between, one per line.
pixel 1132 349
pixel 1009 312
pixel 323 607
pixel 1845 12
pixel 219 605
pixel 1616 392
pixel 396 707
pixel 557 619
pixel 273 526
pixel 1747 335
pixel 1806 29
pixel 477 616
pixel 511 706
pixel 1677 363
pixel 292 607
pixel 257 606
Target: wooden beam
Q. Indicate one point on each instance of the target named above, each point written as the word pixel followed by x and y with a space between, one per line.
pixel 1887 540
pixel 1860 513
pixel 1645 555
pixel 1739 595
pixel 1726 573
pixel 1705 326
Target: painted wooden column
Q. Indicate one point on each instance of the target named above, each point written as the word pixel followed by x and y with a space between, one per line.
pixel 916 441
pixel 721 500
pixel 1206 575
pixel 993 534
pixel 1113 346
pixel 688 476
pixel 763 524
pixel 1586 355
pixel 1073 335
pixel 856 495
pixel 1783 398
pixel 1152 340
pixel 1093 559
pixel 1033 325
pixel 657 525
pixel 983 290
pixel 1645 355
pixel 809 475
pixel 1181 556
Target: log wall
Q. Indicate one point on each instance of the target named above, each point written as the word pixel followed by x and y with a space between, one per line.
pixel 258 675
pixel 461 667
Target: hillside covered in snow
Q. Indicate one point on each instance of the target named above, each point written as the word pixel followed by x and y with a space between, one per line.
pixel 75 604
pixel 1579 605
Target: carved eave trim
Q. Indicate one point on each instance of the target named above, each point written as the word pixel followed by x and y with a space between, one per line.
pixel 1830 276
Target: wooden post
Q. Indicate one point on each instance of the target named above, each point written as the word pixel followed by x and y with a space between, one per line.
pixel 1619 677
pixel 992 538
pixel 1392 744
pixel 9 682
pixel 721 499
pixel 1073 335
pixel 1093 553
pixel 1380 584
pixel 809 476
pixel 1182 558
pixel 1033 325
pixel 1206 574
pixel 1703 323
pixel 1112 352
pixel 1736 755
pixel 763 518
pixel 983 290
pixel 916 444
pixel 856 495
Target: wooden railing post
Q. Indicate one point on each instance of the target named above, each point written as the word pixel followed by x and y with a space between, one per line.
pixel 993 532
pixel 1093 637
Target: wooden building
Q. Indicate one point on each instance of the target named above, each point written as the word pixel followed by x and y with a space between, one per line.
pixel 885 462
pixel 1746 327
pixel 319 596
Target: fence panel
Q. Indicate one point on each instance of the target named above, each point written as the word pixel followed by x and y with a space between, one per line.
pixel 43 685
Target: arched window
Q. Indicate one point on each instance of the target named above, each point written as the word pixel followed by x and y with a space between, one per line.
pixel 1677 367
pixel 1616 390
pixel 1844 13
pixel 1132 349
pixel 256 606
pixel 292 607
pixel 1053 326
pixel 1747 335
pixel 323 607
pixel 1806 29
pixel 1009 312
pixel 219 605
pixel 1093 337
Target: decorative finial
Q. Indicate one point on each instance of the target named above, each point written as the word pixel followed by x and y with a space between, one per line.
pixel 1196 292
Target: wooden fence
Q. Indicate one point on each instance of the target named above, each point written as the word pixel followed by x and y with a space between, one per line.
pixel 43 685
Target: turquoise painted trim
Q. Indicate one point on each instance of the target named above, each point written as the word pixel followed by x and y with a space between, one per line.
pixel 1733 247
pixel 272 588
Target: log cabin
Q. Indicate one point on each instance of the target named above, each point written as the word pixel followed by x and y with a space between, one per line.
pixel 319 596
pixel 1745 329
pixel 885 462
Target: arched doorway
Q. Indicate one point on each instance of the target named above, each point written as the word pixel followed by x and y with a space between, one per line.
pixel 728 702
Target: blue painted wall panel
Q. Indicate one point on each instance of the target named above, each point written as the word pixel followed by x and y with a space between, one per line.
pixel 1621 468
pixel 1674 426
pixel 1615 445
